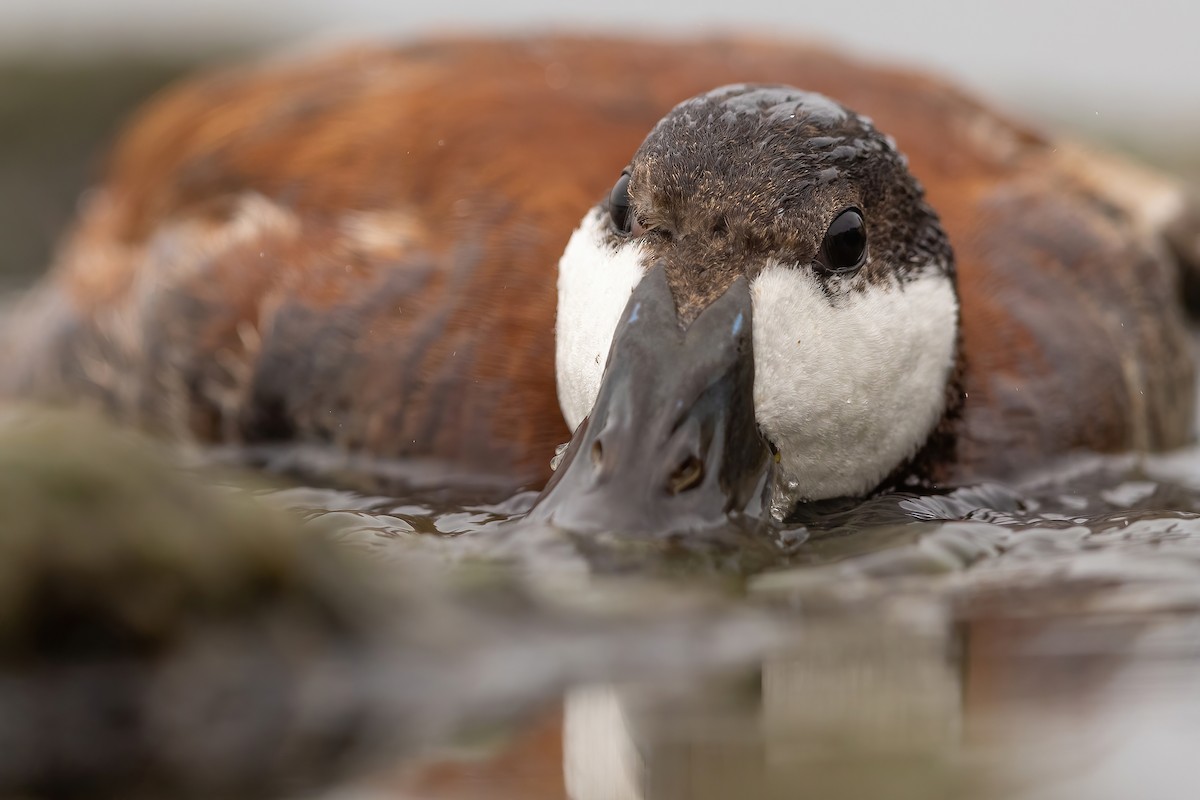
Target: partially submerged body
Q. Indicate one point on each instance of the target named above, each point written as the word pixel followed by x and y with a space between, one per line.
pixel 360 251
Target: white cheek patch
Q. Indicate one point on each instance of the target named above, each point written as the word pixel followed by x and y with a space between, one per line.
pixel 848 388
pixel 594 284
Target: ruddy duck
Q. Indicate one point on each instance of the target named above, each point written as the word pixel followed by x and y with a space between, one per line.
pixel 869 282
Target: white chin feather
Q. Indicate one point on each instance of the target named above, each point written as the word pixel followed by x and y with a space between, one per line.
pixel 594 284
pixel 846 388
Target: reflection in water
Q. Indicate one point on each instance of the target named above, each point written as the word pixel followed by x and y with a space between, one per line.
pixel 867 710
pixel 996 708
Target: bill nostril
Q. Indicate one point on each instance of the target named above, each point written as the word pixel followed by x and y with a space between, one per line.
pixel 597 452
pixel 687 475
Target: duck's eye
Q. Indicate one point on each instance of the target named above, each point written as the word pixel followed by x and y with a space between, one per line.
pixel 618 206
pixel 845 245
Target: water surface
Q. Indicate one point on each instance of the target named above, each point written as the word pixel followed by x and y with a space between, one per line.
pixel 1037 641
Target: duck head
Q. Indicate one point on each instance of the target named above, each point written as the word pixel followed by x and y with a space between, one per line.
pixel 761 313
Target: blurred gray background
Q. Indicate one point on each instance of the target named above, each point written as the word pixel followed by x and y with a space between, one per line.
pixel 1126 73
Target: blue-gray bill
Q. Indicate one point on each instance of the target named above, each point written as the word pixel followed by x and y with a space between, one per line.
pixel 671 446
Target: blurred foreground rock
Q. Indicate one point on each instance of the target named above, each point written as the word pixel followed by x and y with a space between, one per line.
pixel 160 635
